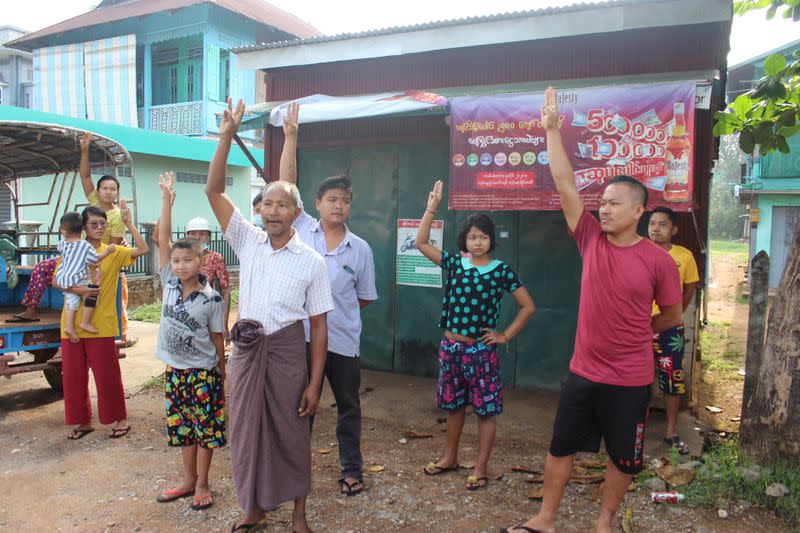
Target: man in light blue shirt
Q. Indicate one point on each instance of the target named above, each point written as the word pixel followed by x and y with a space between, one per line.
pixel 351 270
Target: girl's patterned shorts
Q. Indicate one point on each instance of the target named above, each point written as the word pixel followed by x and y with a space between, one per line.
pixel 469 373
pixel 195 407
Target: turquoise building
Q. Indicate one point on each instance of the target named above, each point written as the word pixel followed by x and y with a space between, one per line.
pixel 153 153
pixel 771 183
pixel 160 65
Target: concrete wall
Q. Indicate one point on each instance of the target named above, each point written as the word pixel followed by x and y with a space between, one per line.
pixel 763 232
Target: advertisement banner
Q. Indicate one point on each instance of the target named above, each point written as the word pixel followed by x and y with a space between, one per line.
pixel 499 160
pixel 413 268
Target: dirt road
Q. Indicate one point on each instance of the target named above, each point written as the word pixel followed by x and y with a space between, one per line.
pixel 96 484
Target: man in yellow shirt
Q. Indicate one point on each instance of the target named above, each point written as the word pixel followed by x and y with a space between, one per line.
pixel 668 345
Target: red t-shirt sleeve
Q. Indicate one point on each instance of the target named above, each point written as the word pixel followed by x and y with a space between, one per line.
pixel 587 230
pixel 668 282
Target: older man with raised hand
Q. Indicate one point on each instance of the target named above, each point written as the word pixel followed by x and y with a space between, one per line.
pixel 282 282
pixel 352 272
pixel 606 392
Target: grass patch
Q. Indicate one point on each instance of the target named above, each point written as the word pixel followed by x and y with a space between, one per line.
pixel 714 364
pixel 718 356
pixel 729 247
pixel 156 382
pixel 235 298
pixel 720 482
pixel 146 313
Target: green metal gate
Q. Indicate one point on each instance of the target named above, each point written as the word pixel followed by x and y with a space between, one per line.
pixel 400 331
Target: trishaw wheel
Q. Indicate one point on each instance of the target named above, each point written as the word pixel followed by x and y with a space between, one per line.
pixel 53 374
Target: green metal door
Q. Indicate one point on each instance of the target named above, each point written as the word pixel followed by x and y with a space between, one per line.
pixel 417 332
pixel 550 267
pixel 373 170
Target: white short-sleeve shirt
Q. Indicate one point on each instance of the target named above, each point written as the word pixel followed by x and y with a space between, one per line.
pixel 277 287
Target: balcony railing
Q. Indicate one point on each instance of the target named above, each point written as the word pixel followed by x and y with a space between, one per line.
pixel 185 118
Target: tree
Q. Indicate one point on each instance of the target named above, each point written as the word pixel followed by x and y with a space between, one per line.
pixel 765 117
pixel 725 210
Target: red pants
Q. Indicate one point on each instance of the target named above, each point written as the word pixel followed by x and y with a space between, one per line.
pixel 100 355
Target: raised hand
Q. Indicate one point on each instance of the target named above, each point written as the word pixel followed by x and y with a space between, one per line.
pixel 231 119
pixel 550 117
pixel 165 182
pixel 435 196
pixel 125 211
pixel 86 141
pixel 291 120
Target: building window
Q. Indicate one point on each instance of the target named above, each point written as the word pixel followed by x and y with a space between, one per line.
pixel 190 83
pixel 224 75
pixel 191 177
pixel 122 172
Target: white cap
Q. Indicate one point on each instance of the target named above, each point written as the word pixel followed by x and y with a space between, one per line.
pixel 198 224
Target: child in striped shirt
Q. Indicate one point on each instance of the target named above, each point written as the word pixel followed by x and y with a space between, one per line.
pixel 78 267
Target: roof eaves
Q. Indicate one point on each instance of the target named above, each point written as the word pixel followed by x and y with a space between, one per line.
pixel 436 24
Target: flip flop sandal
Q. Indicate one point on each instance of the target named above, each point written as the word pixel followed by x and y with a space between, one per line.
pixel 677 443
pixel 16 318
pixel 79 433
pixel 349 490
pixel 432 470
pixel 475 483
pixel 117 433
pixel 244 528
pixel 171 495
pixel 520 527
pixel 200 506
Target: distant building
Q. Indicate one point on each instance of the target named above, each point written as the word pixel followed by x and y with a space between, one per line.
pixel 160 65
pixel 16 70
pixel 771 184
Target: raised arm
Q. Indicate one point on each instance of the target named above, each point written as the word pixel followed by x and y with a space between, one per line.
pixel 288 170
pixel 424 232
pixel 85 169
pixel 220 202
pixel 560 167
pixel 164 225
pixel 140 246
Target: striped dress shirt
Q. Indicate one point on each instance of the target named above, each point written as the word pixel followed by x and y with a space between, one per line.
pixel 277 287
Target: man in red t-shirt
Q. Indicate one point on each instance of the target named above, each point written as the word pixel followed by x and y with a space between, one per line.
pixel 607 390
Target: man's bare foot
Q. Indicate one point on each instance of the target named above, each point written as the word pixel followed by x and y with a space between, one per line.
pixel 300 525
pixel 87 326
pixel 70 332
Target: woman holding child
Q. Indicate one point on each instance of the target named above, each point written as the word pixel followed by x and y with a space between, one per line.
pixel 97 350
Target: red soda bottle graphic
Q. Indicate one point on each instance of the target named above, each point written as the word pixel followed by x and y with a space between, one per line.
pixel 679 149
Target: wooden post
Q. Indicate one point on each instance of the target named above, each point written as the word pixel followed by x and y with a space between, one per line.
pixel 756 326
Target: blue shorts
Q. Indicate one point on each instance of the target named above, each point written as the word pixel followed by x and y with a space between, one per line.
pixel 469 373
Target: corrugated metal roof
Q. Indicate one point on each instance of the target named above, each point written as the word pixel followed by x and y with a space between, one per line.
pixel 439 24
pixel 257 10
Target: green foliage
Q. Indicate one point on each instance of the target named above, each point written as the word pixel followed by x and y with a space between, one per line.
pixel 146 313
pixel 791 8
pixel 235 298
pixel 770 113
pixel 725 211
pixel 729 247
pixel 155 382
pixel 720 482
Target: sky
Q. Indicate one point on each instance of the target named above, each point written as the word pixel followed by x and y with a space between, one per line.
pixel 751 35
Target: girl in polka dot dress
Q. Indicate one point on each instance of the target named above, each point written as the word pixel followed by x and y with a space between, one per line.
pixel 469 366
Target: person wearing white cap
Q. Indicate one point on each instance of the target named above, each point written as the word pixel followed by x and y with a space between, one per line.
pixel 212 264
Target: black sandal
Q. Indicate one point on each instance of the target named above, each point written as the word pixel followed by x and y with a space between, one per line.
pixel 520 527
pixel 677 443
pixel 432 470
pixel 79 433
pixel 349 489
pixel 117 433
pixel 242 527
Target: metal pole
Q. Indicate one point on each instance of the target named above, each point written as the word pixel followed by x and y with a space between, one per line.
pixel 250 157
